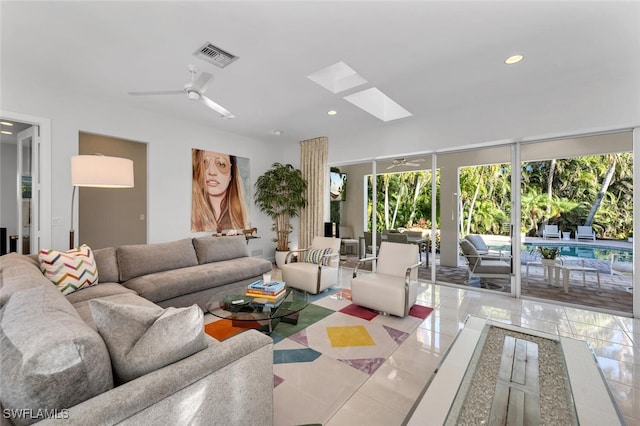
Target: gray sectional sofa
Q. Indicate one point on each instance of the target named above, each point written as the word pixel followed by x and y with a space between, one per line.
pixel 55 360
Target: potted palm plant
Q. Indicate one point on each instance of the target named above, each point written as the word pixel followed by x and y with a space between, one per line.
pixel 280 195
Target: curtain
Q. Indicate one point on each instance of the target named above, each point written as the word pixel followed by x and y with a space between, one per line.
pixel 314 155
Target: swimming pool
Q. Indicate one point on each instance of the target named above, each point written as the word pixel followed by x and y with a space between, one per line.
pixel 586 251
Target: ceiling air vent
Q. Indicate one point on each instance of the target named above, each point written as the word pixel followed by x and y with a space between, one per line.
pixel 218 57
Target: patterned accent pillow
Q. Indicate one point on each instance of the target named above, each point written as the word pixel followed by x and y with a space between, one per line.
pixel 70 270
pixel 314 255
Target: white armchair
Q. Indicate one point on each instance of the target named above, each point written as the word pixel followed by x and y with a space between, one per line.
pixel 585 233
pixel 393 288
pixel 550 231
pixel 316 268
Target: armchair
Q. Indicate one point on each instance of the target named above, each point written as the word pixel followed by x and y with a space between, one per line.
pixel 621 265
pixel 550 231
pixel 585 233
pixel 393 288
pixel 368 242
pixel 347 240
pixel 483 266
pixel 316 268
pixel 483 249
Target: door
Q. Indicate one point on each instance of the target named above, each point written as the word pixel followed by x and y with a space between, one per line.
pixel 28 191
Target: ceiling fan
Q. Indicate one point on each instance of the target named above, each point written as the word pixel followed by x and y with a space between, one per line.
pixel 404 162
pixel 195 91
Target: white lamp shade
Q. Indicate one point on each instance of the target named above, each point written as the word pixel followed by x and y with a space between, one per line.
pixel 101 171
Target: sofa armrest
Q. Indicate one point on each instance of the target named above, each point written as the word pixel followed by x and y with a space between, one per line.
pixel 229 382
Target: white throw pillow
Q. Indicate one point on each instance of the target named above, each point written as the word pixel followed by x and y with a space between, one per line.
pixel 69 270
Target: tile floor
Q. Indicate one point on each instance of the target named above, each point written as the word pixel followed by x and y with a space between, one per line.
pixel 387 396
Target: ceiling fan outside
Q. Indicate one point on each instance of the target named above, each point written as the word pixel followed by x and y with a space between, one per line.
pixel 404 162
pixel 195 91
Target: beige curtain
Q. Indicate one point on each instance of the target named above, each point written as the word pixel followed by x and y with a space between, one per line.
pixel 314 155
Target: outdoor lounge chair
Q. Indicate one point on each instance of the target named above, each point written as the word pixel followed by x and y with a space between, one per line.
pixel 483 266
pixel 620 265
pixel 585 233
pixel 483 249
pixel 550 231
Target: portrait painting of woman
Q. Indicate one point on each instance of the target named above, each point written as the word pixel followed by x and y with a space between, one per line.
pixel 218 194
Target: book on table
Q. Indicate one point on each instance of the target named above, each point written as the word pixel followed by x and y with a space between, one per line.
pixel 256 293
pixel 268 301
pixel 271 289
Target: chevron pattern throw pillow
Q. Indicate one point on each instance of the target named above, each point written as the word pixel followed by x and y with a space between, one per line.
pixel 70 270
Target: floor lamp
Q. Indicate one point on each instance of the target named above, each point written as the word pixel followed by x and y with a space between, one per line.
pixel 98 171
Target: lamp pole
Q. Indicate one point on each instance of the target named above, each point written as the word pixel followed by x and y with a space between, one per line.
pixel 72 232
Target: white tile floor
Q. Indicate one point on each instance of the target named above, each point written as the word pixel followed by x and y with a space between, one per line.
pixel 388 395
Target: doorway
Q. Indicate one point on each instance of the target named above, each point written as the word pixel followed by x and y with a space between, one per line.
pixel 21 191
pixel 112 217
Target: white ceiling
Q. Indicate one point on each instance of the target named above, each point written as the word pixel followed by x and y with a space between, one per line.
pixel 427 56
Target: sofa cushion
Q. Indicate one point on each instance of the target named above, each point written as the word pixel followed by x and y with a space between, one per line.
pixel 49 358
pixel 70 270
pixel 214 249
pixel 18 272
pixel 107 265
pixel 143 339
pixel 96 291
pixel 143 259
pixel 178 282
pixel 82 308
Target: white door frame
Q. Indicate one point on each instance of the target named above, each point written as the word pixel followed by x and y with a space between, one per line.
pixel 42 151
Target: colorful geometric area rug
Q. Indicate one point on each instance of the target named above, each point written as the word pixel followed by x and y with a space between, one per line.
pixel 333 350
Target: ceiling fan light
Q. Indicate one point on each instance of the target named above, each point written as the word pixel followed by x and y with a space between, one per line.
pixel 193 95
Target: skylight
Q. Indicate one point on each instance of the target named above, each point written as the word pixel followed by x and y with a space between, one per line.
pixel 337 77
pixel 378 104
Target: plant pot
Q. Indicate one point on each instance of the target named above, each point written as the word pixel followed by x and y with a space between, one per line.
pixel 548 262
pixel 280 257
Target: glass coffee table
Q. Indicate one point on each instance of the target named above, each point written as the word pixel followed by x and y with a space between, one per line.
pixel 257 312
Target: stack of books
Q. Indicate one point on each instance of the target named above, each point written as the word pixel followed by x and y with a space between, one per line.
pixel 271 291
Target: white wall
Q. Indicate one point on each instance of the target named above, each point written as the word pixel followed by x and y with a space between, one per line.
pixel 169 157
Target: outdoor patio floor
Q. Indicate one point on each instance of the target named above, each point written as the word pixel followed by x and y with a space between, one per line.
pixel 612 295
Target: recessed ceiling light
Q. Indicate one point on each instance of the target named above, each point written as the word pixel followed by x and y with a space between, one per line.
pixel 6 132
pixel 6 123
pixel 513 59
pixel 277 132
pixel 332 112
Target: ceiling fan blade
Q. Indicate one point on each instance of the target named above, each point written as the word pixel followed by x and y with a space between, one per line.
pixel 391 166
pixel 200 84
pixel 160 92
pixel 218 108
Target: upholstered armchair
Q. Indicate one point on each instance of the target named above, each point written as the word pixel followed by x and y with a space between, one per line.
pixel 316 268
pixel 393 288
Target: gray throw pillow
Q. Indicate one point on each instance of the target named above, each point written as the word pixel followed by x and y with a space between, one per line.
pixel 143 339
